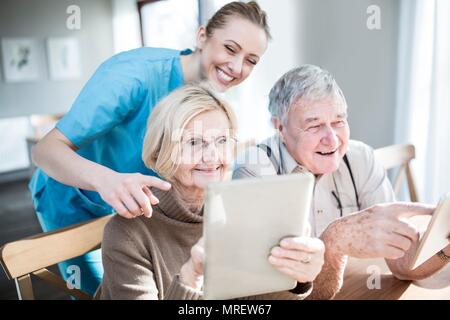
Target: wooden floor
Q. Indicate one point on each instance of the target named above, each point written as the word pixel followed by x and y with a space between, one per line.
pixel 17 221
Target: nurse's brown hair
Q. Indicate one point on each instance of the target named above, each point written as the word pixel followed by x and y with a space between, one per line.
pixel 250 11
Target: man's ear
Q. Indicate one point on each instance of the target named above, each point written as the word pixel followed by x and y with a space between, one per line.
pixel 276 122
pixel 201 37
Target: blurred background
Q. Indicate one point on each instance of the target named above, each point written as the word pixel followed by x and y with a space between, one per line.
pixel 390 57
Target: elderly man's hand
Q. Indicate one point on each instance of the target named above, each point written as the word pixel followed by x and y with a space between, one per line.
pixel 380 231
pixel 447 249
pixel 301 258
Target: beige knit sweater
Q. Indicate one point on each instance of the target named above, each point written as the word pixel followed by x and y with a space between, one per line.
pixel 142 257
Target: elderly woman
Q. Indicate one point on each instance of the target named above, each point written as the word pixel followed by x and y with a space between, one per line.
pixel 189 142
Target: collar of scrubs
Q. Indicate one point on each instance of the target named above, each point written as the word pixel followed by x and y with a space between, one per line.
pixel 185 52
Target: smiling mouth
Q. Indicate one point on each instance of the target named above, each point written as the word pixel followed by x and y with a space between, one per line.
pixel 208 170
pixel 224 77
pixel 327 153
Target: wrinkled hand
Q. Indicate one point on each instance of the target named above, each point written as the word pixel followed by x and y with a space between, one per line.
pixel 129 193
pixel 403 264
pixel 380 231
pixel 191 273
pixel 447 249
pixel 301 258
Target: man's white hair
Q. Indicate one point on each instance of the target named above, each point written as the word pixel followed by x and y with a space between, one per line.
pixel 307 82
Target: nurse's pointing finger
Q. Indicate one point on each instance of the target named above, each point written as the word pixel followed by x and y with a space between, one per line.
pixel 153 200
pixel 143 200
pixel 156 183
pixel 121 210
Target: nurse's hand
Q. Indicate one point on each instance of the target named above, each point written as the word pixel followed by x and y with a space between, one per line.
pixel 129 193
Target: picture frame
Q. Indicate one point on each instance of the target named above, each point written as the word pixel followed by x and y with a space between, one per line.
pixel 20 58
pixel 63 58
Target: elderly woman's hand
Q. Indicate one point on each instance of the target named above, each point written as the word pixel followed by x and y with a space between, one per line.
pixel 301 258
pixel 191 273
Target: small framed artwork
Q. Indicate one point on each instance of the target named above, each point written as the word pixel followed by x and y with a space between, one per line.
pixel 63 58
pixel 20 59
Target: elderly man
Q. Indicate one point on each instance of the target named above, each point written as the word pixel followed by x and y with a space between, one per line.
pixel 309 112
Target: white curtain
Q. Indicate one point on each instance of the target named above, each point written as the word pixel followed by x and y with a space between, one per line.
pixel 423 101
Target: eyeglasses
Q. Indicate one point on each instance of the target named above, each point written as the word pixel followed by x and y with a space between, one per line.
pixel 198 145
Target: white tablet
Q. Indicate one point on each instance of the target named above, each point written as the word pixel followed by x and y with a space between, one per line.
pixel 243 221
pixel 436 236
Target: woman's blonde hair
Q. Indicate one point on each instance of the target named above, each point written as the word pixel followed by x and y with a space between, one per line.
pixel 250 11
pixel 161 150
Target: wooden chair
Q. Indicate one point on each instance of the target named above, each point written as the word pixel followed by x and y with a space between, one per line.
pixel 399 155
pixel 31 256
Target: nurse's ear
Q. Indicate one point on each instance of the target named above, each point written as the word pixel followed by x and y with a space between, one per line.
pixel 201 37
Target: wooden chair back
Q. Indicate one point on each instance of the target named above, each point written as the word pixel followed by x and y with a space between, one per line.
pixel 399 155
pixel 31 256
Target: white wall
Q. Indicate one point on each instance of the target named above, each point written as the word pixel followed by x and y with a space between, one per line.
pixel 332 34
pixel 47 18
pixel 364 62
pixel 40 20
pixel 283 53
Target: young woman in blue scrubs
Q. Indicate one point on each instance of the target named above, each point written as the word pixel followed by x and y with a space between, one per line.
pixel 90 164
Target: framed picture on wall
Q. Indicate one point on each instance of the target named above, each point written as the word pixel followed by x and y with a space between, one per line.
pixel 63 56
pixel 20 59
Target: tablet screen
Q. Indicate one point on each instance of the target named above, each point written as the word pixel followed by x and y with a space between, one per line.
pixel 244 220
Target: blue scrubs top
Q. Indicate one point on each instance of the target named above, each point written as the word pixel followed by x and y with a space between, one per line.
pixel 107 122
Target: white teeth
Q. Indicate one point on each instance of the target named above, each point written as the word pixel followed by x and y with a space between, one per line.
pixel 327 153
pixel 224 76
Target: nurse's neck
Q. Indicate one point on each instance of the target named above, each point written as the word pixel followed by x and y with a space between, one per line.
pixel 191 65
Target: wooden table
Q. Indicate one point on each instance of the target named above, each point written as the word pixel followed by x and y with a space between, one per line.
pixel 359 271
